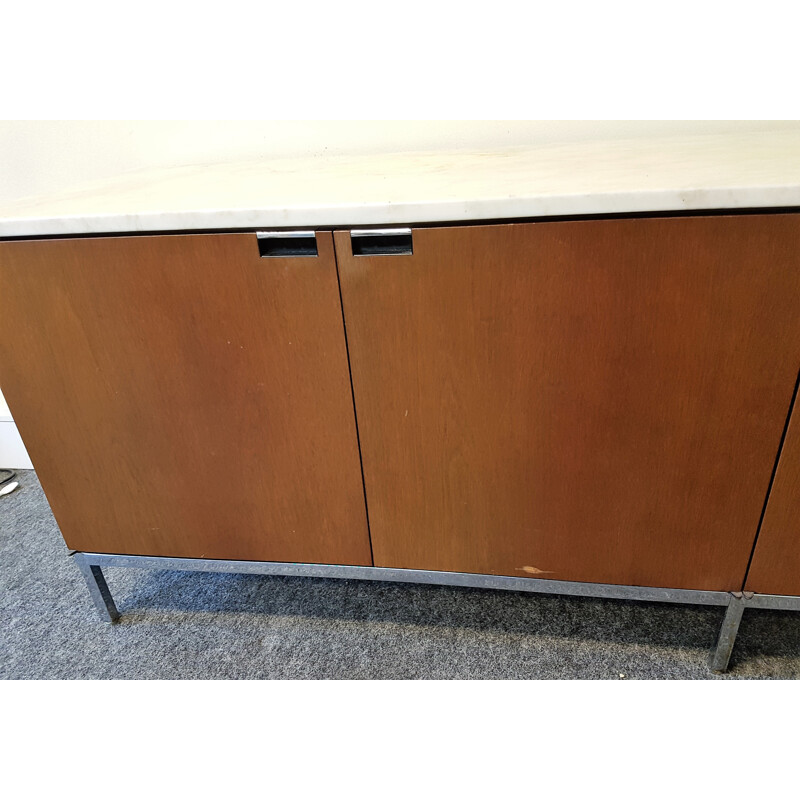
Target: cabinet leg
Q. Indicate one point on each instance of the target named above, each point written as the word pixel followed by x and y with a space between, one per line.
pixel 721 654
pixel 98 589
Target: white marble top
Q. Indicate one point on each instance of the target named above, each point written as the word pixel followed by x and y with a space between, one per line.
pixel 669 173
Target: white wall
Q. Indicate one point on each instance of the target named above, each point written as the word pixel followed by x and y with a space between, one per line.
pixel 13 454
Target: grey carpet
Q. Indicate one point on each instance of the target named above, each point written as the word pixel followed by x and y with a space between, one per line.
pixel 194 625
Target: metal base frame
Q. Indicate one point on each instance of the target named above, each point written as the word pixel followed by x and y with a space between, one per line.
pixel 91 564
pixel 733 616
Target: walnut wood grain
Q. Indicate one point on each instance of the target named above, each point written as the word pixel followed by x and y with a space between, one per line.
pixel 181 396
pixel 591 400
pixel 775 568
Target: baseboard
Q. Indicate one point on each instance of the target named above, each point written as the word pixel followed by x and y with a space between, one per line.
pixel 13 454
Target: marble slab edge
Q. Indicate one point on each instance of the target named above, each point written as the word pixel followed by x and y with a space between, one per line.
pixel 387 213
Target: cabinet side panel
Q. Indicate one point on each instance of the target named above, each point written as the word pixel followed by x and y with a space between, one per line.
pixel 597 400
pixel 775 568
pixel 181 396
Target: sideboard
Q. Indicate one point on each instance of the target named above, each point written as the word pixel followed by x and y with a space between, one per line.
pixel 496 394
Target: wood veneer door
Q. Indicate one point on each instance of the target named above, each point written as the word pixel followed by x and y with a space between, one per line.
pixel 592 401
pixel 775 568
pixel 182 396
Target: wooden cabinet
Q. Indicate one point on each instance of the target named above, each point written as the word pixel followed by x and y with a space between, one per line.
pixel 597 400
pixel 182 396
pixel 594 400
pixel 775 568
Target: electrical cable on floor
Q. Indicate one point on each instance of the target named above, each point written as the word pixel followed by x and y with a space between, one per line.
pixel 7 484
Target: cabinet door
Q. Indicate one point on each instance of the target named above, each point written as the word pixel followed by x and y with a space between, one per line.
pixel 182 396
pixel 775 568
pixel 584 400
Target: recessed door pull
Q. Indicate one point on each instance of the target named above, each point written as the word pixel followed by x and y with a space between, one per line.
pixel 286 244
pixel 382 242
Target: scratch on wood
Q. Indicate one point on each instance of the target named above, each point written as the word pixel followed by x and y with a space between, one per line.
pixel 535 571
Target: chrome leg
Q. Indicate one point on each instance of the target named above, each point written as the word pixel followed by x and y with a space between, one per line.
pixel 727 634
pixel 98 589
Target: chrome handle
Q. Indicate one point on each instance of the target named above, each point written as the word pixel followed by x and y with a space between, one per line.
pixel 287 244
pixel 382 242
